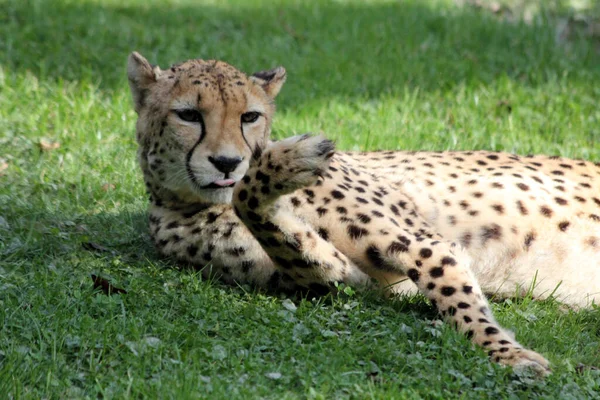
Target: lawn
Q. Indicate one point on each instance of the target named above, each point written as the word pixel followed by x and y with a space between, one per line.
pixel 411 74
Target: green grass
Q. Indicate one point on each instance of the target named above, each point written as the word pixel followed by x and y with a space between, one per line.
pixel 372 74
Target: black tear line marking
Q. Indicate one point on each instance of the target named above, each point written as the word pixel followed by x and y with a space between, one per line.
pixel 188 157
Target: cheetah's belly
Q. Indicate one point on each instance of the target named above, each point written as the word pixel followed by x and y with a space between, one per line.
pixel 515 243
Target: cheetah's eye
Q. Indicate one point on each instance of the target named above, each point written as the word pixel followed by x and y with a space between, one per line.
pixel 250 117
pixel 189 115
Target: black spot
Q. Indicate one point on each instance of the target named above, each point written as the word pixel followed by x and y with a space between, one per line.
pixel 375 257
pixel 463 305
pixel 212 217
pixel 253 203
pixel 490 330
pixel 323 233
pixel 236 251
pixel 529 238
pixel 564 225
pixel 425 252
pixel 190 214
pixel 265 179
pixel 172 225
pixel 403 240
pixel 397 247
pixel 247 265
pixel 492 232
pixel 365 219
pixel 467 289
pixel 448 291
pixel 560 201
pixel 341 210
pixel 356 232
pixel 546 211
pixel 414 275
pixel 243 195
pixel 295 201
pixel 448 261
pixel 499 208
pixel 436 272
pixel 451 311
pixel 522 208
pixel 192 250
pixel 321 211
pixel 337 194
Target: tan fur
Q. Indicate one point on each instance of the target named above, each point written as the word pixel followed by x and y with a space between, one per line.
pixel 458 224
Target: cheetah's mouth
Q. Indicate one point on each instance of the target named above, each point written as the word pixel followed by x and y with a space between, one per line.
pixel 220 184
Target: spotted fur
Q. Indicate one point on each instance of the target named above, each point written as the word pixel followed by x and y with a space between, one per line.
pixel 452 225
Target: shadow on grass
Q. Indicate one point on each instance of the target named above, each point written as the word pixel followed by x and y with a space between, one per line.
pixel 330 49
pixel 42 236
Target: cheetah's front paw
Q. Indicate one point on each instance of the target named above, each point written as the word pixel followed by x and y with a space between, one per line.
pixel 296 162
pixel 522 359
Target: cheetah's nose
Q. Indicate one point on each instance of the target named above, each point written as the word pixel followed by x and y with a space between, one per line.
pixel 225 164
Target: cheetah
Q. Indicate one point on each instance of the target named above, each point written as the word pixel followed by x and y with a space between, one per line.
pixel 296 213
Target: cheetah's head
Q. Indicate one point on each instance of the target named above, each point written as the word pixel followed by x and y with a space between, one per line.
pixel 199 124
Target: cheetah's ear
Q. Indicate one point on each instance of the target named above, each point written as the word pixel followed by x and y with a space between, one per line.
pixel 271 80
pixel 141 76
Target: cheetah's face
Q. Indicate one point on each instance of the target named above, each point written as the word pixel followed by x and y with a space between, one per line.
pixel 199 125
